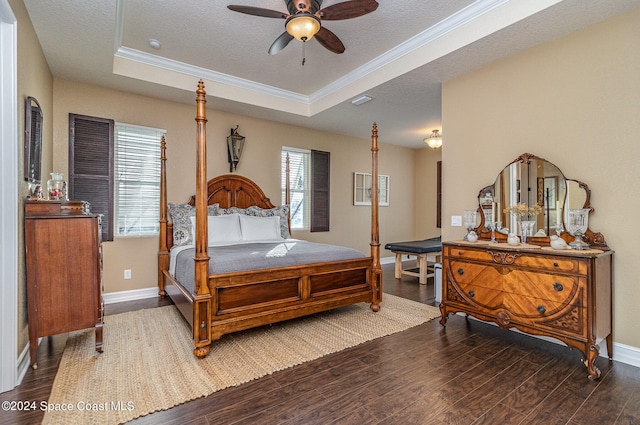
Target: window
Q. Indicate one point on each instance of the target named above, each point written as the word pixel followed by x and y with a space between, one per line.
pixel 309 184
pixel 124 190
pixel 137 180
pixel 299 182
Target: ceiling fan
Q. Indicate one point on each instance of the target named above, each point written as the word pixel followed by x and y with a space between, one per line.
pixel 304 20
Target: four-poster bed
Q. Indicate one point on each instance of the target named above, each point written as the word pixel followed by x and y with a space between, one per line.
pixel 221 302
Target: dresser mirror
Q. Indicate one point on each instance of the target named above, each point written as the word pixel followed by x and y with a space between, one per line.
pixel 32 140
pixel 530 180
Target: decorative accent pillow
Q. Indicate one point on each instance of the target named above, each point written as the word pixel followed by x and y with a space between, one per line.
pixel 281 211
pixel 221 229
pixel 255 211
pixel 260 228
pixel 180 213
pixel 182 230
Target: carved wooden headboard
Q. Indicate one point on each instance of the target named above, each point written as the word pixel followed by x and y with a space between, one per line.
pixel 232 190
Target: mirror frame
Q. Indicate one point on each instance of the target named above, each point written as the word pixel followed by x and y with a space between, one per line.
pixel 33 118
pixel 594 239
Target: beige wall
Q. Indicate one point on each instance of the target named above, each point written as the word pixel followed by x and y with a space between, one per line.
pixel 350 225
pixel 576 102
pixel 34 79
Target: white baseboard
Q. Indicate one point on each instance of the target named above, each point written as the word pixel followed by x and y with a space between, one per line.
pixel 621 353
pixel 24 362
pixel 132 295
pixel 626 354
pixel 388 260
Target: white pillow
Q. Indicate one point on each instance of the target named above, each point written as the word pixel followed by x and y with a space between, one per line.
pixel 221 228
pixel 260 228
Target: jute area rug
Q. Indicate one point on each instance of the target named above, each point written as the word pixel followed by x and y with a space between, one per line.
pixel 148 365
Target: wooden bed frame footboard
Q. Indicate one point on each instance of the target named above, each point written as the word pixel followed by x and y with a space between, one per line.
pixel 231 302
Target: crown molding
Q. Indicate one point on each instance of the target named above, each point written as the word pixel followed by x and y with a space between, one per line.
pixel 426 37
pixel 207 74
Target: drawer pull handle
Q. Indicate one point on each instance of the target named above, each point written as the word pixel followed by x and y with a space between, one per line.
pixel 558 286
pixel 556 264
pixel 459 252
pixel 472 293
pixel 541 309
pixel 460 271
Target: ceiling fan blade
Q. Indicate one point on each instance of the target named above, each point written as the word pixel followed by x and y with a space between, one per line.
pixel 281 42
pixel 329 40
pixel 348 10
pixel 258 11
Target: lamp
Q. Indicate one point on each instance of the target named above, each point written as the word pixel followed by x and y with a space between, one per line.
pixel 302 26
pixel 235 144
pixel 434 140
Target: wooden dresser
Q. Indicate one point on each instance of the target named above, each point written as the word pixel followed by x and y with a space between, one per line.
pixel 64 270
pixel 564 294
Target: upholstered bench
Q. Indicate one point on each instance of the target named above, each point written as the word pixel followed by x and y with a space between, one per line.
pixel 427 251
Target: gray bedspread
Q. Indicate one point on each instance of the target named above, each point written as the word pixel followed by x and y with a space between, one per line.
pixel 256 256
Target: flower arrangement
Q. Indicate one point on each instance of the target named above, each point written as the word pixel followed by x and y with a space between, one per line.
pixel 522 211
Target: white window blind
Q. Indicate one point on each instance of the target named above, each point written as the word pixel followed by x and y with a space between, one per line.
pixel 137 180
pixel 299 180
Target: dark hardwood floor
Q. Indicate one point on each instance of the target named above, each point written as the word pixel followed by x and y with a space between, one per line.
pixel 466 373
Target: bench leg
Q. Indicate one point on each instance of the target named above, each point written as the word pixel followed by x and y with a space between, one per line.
pixel 422 265
pixel 398 271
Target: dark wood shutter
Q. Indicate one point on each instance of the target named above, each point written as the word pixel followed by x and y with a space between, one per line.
pixel 91 166
pixel 320 170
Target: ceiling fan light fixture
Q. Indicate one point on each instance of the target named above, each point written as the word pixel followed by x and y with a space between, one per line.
pixel 303 26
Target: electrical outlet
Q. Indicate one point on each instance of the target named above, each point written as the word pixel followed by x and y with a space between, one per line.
pixel 456 220
pixel 127 274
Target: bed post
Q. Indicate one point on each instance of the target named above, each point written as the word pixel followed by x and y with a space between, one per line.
pixel 202 302
pixel 376 269
pixel 163 252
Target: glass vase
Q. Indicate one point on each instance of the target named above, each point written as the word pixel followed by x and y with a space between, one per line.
pixel 577 226
pixel 469 221
pixel 526 229
pixel 57 188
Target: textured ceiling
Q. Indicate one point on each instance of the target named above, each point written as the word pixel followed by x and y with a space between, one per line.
pixel 399 54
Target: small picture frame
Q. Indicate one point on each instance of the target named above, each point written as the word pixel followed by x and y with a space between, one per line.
pixel 362 189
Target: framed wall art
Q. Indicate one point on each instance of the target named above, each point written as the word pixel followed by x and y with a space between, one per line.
pixel 362 189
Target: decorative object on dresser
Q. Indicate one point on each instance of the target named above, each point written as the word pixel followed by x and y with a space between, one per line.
pixel 64 270
pixel 57 188
pixel 541 287
pixel 469 220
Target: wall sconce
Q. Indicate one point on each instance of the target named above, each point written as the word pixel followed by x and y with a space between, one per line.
pixel 434 140
pixel 235 144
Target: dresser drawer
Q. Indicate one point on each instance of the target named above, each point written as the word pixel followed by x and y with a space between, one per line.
pixel 509 308
pixel 557 288
pixel 468 254
pixel 552 264
pixel 518 303
pixel 555 264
